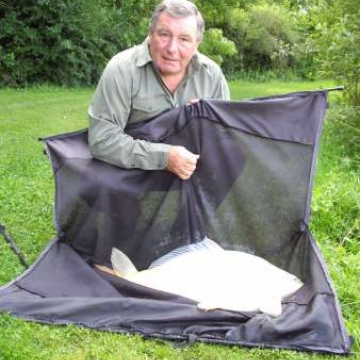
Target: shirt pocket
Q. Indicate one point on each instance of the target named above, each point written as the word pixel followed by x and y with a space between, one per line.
pixel 147 107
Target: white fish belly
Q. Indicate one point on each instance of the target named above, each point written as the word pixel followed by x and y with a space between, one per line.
pixel 230 280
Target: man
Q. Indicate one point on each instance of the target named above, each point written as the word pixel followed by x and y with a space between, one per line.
pixel 164 72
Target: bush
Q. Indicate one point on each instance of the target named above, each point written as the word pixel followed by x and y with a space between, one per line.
pixel 57 41
pixel 216 46
pixel 264 36
pixel 335 44
pixel 68 42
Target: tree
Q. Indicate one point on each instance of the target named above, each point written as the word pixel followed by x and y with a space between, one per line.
pixel 264 36
pixel 68 42
pixel 216 46
pixel 54 41
pixel 335 43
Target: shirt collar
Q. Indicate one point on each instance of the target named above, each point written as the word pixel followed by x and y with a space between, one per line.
pixel 144 54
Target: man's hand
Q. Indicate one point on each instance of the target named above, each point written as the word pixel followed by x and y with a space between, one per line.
pixel 182 162
pixel 193 101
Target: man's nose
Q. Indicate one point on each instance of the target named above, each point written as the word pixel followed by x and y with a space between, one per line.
pixel 173 45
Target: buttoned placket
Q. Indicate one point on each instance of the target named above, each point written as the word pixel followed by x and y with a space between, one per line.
pixel 172 97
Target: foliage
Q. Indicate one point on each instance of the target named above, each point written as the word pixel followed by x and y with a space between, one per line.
pixel 130 20
pixel 335 43
pixel 215 12
pixel 216 46
pixel 68 42
pixel 61 42
pixel 264 36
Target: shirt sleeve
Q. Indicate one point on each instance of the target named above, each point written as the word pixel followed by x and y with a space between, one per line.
pixel 221 89
pixel 108 115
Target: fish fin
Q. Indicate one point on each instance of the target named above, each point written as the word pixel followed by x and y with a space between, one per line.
pixel 121 264
pixel 107 270
pixel 204 245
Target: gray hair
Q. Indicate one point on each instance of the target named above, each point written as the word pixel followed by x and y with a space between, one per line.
pixel 178 9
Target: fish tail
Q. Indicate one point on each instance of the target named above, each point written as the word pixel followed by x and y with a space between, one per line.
pixel 121 264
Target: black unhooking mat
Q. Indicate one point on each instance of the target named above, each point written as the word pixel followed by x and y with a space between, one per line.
pixel 251 192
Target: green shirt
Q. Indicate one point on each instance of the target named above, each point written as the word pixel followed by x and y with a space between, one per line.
pixel 130 90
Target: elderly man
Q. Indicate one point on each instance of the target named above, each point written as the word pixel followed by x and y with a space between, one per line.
pixel 162 73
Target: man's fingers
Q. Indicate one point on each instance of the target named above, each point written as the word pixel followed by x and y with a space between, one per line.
pixel 192 159
pixel 190 164
pixel 182 162
pixel 193 101
pixel 186 174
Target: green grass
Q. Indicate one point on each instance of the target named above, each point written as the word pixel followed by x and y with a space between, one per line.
pixel 26 208
pixel 249 89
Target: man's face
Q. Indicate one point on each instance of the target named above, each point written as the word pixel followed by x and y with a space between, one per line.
pixel 173 43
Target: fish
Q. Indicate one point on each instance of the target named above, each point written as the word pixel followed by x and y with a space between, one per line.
pixel 214 278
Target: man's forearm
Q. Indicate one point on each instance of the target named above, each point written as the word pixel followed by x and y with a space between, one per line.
pixel 109 143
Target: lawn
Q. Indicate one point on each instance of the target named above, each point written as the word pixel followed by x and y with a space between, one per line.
pixel 26 208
